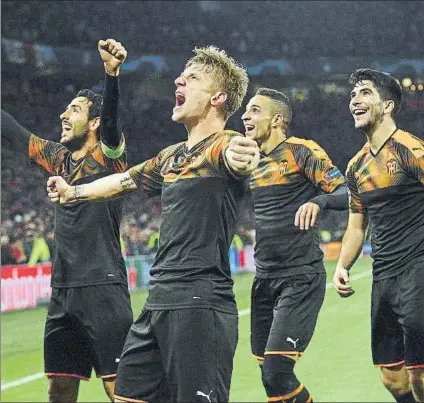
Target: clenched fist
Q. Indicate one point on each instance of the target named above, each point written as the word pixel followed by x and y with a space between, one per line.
pixel 242 154
pixel 113 55
pixel 58 190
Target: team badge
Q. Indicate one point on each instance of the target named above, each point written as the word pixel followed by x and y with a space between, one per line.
pixel 392 166
pixel 282 167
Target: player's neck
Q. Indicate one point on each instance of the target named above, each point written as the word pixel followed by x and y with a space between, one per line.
pixel 378 135
pixel 202 130
pixel 85 148
pixel 275 138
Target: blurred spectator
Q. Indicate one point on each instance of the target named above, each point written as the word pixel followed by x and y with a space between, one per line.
pixel 6 252
pixel 39 249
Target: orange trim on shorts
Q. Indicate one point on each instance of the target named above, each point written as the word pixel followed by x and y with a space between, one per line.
pixel 390 365
pixel 295 353
pixel 127 399
pixel 274 399
pixel 288 396
pixel 309 399
pixel 415 366
pixel 259 358
pixel 106 376
pixel 69 375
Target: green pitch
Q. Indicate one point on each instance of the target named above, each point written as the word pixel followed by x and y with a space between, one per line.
pixel 336 367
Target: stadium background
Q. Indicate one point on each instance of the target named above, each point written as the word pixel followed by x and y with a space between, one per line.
pixel 306 49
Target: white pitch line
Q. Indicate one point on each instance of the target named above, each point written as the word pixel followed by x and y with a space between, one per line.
pixel 21 381
pixel 243 312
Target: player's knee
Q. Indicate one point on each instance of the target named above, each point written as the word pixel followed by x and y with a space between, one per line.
pixel 416 378
pixel 278 375
pixel 395 380
pixel 63 389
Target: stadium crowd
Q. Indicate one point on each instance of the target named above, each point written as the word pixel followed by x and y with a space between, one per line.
pixel 180 28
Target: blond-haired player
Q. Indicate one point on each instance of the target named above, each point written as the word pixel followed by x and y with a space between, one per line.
pixel 182 345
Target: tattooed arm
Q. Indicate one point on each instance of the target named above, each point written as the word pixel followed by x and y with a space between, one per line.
pixel 102 189
pixel 145 176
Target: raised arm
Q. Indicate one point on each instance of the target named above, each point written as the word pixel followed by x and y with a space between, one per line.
pixel 106 188
pixel 14 133
pixel 48 154
pixel 113 55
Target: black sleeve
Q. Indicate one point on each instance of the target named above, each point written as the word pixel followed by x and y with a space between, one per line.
pixel 337 200
pixel 14 133
pixel 110 126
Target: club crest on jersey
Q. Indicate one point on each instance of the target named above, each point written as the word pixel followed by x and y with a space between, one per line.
pixel 283 166
pixel 392 166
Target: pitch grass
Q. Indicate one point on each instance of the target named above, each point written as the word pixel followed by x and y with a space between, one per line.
pixel 337 365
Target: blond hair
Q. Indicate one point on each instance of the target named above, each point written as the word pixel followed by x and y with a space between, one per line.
pixel 230 76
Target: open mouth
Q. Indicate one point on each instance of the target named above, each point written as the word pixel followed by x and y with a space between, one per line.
pixel 179 99
pixel 248 128
pixel 66 126
pixel 358 112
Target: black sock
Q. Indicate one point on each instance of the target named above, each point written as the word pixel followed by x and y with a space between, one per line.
pixel 408 398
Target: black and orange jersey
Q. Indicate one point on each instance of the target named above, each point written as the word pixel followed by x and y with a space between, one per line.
pixel 87 247
pixel 289 176
pixel 201 198
pixel 389 187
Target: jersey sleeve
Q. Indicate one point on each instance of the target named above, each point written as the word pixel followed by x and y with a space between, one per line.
pixel 148 175
pixel 355 204
pixel 48 154
pixel 318 167
pixel 215 155
pixel 412 158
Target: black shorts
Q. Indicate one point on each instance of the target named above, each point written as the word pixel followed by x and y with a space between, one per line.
pixel 397 319
pixel 284 313
pixel 86 328
pixel 183 355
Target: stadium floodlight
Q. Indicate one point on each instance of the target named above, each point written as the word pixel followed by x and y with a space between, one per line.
pixel 406 82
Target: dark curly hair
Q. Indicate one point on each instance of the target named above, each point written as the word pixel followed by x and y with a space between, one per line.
pixel 96 102
pixel 387 86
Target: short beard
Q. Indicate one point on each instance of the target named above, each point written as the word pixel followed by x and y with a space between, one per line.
pixel 369 127
pixel 75 143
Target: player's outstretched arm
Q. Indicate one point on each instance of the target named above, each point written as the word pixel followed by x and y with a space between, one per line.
pixel 14 133
pixel 113 55
pixel 307 213
pixel 100 190
pixel 352 243
pixel 242 155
